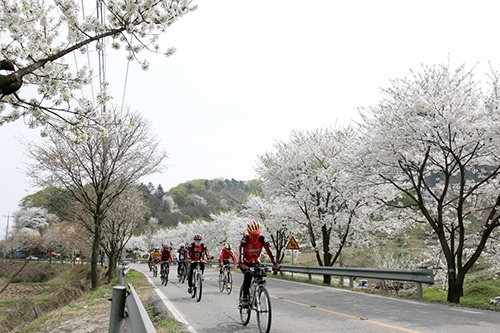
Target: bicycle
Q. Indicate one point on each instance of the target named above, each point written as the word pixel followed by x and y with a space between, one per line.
pixel 197 287
pixel 155 268
pixel 164 272
pixel 226 279
pixel 258 300
pixel 182 271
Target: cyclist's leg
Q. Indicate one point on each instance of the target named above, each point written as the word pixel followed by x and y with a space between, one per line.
pixel 190 276
pixel 247 280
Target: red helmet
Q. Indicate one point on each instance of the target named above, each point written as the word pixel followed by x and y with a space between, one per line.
pixel 197 237
pixel 254 228
pixel 166 247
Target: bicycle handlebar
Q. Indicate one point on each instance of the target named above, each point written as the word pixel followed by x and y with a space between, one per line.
pixel 257 271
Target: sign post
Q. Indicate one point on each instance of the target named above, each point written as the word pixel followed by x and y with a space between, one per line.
pixel 292 245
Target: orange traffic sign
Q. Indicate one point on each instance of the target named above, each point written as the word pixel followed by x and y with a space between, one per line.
pixel 292 244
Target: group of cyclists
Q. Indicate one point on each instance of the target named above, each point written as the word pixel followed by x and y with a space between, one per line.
pixel 249 251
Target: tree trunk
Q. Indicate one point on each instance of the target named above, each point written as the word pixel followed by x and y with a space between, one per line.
pixel 327 256
pixel 455 287
pixel 95 252
pixel 112 262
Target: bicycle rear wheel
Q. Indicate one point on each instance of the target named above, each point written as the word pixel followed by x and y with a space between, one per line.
pixel 244 312
pixel 199 286
pixel 193 290
pixel 229 283
pixel 263 307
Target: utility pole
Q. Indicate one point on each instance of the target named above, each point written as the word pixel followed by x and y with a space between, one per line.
pixel 6 237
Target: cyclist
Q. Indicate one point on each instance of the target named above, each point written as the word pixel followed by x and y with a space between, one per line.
pixel 196 251
pixel 165 256
pixel 180 258
pixel 226 253
pixel 154 256
pixel 249 252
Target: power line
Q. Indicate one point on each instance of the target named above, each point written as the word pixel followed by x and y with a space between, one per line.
pixel 101 53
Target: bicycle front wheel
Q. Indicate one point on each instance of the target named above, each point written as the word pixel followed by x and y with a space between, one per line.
pixel 199 286
pixel 221 282
pixel 182 278
pixel 229 283
pixel 162 277
pixel 263 308
pixel 165 278
pixel 244 312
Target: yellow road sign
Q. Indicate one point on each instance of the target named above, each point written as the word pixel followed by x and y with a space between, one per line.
pixel 292 244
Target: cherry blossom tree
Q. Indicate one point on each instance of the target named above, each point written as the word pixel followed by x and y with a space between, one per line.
pixel 26 240
pixel 64 237
pixel 95 170
pixel 280 218
pixel 38 36
pixel 431 150
pixel 121 220
pixel 36 218
pixel 311 170
pixel 225 227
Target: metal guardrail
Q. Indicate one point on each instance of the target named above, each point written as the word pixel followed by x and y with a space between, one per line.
pixel 418 276
pixel 128 308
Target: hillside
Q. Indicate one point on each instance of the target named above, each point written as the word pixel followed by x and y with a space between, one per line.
pixel 196 199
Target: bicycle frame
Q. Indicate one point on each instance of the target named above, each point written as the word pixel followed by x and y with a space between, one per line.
pixel 182 271
pixel 155 267
pixel 226 279
pixel 197 277
pixel 259 301
pixel 164 272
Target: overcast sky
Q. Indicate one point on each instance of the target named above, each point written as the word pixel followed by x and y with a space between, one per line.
pixel 246 73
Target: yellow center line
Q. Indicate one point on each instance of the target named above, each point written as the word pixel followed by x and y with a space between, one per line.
pixel 402 329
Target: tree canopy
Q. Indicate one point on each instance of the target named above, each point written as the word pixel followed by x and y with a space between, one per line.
pixel 42 83
pixel 434 141
pixel 95 171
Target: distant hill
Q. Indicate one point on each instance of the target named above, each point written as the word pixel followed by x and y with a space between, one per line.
pixel 196 199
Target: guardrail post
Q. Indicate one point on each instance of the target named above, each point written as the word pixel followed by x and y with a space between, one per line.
pixel 309 277
pixel 419 290
pixel 117 309
pixel 351 282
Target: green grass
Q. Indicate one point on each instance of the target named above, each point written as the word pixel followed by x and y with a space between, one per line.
pixel 145 292
pixel 477 294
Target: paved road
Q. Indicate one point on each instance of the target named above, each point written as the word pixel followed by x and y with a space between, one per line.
pixel 307 308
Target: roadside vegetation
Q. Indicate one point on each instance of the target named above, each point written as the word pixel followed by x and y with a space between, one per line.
pixel 480 287
pixel 54 297
pixel 44 297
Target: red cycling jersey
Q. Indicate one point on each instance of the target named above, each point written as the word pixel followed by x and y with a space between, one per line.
pixel 249 251
pixel 195 252
pixel 166 256
pixel 225 255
